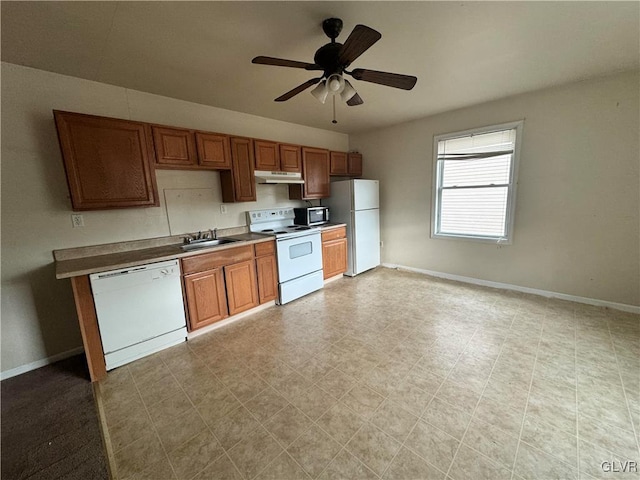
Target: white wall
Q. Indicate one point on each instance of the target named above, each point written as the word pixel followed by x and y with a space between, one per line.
pixel 38 314
pixel 578 198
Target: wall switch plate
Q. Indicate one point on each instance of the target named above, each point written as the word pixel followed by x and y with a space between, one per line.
pixel 77 220
pixel 223 209
pixel 381 244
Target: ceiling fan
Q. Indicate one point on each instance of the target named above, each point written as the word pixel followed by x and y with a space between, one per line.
pixel 333 59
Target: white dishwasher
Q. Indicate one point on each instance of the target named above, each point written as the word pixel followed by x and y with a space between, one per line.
pixel 140 310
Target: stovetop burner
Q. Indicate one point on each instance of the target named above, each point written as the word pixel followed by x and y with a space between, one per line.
pixel 276 222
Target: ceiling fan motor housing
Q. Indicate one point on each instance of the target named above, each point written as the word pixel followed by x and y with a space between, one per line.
pixel 327 57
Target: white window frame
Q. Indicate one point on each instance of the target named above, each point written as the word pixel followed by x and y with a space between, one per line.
pixel 507 239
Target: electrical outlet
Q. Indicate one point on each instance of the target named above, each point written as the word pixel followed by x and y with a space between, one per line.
pixel 223 209
pixel 77 220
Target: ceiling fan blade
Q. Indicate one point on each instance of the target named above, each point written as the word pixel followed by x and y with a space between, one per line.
pixel 396 80
pixel 355 100
pixel 298 89
pixel 358 42
pixel 280 62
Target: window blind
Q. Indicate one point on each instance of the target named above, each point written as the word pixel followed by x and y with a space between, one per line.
pixel 474 175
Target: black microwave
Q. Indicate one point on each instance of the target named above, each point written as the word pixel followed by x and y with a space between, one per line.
pixel 311 216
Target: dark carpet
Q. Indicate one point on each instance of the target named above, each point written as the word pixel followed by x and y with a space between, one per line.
pixel 50 425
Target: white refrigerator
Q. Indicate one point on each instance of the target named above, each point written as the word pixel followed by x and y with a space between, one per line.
pixel 356 203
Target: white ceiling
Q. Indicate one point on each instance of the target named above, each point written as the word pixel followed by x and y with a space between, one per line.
pixel 463 53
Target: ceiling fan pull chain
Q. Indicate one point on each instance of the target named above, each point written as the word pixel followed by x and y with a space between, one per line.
pixel 334 109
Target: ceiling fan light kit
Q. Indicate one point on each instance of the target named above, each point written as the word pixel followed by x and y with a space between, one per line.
pixel 333 59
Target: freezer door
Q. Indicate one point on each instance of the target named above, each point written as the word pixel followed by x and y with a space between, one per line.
pixel 365 248
pixel 365 194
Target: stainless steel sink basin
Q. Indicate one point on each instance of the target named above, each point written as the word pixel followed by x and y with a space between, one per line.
pixel 196 244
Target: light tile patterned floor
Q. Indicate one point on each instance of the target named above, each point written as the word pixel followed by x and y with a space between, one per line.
pixel 389 375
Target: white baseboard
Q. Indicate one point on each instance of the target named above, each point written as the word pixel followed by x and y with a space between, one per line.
pixel 40 363
pixel 507 286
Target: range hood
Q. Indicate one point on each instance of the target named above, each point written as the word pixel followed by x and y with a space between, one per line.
pixel 263 176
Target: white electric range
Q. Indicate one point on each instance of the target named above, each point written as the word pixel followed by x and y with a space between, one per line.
pixel 298 250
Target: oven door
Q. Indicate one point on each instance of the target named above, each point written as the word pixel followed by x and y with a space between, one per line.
pixel 299 256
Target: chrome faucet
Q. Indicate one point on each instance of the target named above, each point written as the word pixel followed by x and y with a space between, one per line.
pixel 213 234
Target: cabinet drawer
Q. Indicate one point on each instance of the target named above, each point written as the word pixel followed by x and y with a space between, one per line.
pixel 209 261
pixel 334 234
pixel 265 248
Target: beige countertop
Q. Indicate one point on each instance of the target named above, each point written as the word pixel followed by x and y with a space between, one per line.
pixel 74 267
pixel 330 226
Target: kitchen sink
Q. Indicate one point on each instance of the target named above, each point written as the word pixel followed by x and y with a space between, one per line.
pixel 206 243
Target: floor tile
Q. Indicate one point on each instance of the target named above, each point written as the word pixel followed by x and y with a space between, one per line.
pixel 340 422
pixel 313 402
pixel 373 447
pixel 266 404
pixel 174 431
pixel 313 450
pixel 216 404
pixel 288 424
pixel 362 400
pixel 497 445
pixel 221 469
pixel 194 455
pixel 407 465
pixel 447 418
pixel 532 463
pixel 233 427
pixel 434 445
pixel 394 420
pixel 364 374
pixel 283 468
pixel 470 464
pixel 161 469
pixel 347 467
pixel 252 454
pixel 135 457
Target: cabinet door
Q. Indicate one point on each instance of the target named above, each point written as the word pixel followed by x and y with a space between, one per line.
pixel 267 155
pixel 213 151
pixel 241 286
pixel 338 163
pixel 315 171
pixel 175 147
pixel 267 271
pixel 108 162
pixel 355 164
pixel 290 158
pixel 206 298
pixel 239 184
pixel 334 257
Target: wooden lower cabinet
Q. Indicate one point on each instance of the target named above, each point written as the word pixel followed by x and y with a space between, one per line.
pixel 206 298
pixel 267 271
pixel 334 252
pixel 242 292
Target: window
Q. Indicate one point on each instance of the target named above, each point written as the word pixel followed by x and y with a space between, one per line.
pixel 475 176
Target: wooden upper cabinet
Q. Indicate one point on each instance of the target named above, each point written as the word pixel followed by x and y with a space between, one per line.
pixel 239 184
pixel 338 163
pixel 267 155
pixel 175 147
pixel 290 158
pixel 354 166
pixel 108 162
pixel 315 171
pixel 214 150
